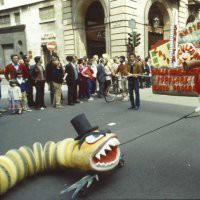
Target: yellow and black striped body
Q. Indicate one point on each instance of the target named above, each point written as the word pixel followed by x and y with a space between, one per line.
pixel 17 164
pixel 99 154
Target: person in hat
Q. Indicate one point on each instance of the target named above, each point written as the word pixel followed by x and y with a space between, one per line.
pixel 15 97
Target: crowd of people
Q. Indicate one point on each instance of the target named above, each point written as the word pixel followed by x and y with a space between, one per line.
pixel 84 78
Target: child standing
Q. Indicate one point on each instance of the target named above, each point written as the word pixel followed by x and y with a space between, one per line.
pixel 23 85
pixel 15 97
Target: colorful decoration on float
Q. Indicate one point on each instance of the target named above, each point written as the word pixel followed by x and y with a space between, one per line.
pixel 176 81
pixel 160 55
pixel 173 40
pixel 186 52
pixel 93 149
pixel 191 34
pixel 189 43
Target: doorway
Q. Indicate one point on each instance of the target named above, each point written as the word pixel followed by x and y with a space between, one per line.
pixel 8 50
pixel 156 25
pixel 95 30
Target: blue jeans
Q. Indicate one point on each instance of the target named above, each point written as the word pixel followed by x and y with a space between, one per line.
pixel 89 87
pixel 134 85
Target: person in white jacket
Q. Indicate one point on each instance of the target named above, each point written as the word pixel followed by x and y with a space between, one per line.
pixel 108 73
pixel 15 98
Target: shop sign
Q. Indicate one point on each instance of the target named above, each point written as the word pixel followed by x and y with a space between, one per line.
pixel 48 37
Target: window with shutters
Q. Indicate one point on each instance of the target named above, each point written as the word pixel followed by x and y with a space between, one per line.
pixel 47 13
pixel 17 18
pixel 5 20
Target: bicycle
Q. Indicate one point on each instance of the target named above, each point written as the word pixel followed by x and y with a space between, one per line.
pixel 114 90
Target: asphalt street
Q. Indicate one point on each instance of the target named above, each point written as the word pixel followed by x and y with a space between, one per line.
pixel 162 165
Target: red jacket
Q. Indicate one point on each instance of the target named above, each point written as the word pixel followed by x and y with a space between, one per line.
pixel 10 71
pixel 89 72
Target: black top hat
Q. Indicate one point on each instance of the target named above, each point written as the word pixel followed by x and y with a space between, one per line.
pixel 82 125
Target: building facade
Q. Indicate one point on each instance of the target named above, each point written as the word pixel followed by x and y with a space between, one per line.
pixel 87 27
pixel 99 26
pixel 28 26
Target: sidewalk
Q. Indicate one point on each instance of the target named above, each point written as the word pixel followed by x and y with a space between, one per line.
pixel 145 95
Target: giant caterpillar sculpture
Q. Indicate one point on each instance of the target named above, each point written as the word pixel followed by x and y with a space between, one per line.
pixel 95 151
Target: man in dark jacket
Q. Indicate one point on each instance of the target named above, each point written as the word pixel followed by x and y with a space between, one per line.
pixel 147 69
pixel 101 77
pixel 49 69
pixel 71 80
pixel 134 68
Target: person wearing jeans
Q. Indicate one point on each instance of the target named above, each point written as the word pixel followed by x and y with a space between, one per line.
pixel 134 68
pixel 88 73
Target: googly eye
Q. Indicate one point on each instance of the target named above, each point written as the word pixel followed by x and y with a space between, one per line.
pixel 93 138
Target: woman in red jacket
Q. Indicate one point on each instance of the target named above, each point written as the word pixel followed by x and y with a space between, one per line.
pixel 88 73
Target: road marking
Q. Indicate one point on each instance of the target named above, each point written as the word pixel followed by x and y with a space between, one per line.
pixel 112 124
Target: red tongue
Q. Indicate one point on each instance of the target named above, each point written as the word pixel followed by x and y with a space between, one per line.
pixel 110 156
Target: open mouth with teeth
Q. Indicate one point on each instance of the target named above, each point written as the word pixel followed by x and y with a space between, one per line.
pixel 107 156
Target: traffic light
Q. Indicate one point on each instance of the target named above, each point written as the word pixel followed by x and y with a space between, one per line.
pixel 137 39
pixel 130 39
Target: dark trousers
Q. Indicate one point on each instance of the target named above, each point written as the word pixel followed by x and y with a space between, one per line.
pixel 72 92
pixel 94 85
pixel 31 84
pixel 134 85
pixel 82 88
pixel 39 101
pixel 101 89
pixel 148 82
pixel 107 83
pixel 51 91
pixel 89 87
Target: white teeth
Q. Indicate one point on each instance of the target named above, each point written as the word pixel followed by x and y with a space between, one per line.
pixel 102 164
pixel 98 156
pixel 107 147
pixel 105 164
pixel 113 142
pixel 102 152
pixel 116 141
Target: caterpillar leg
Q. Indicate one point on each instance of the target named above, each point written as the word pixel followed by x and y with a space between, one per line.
pixel 81 186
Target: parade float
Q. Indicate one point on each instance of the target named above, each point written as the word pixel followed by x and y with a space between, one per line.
pixel 176 63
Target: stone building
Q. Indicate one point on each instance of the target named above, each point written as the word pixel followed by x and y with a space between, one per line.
pixel 87 27
pixel 27 26
pixel 99 26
